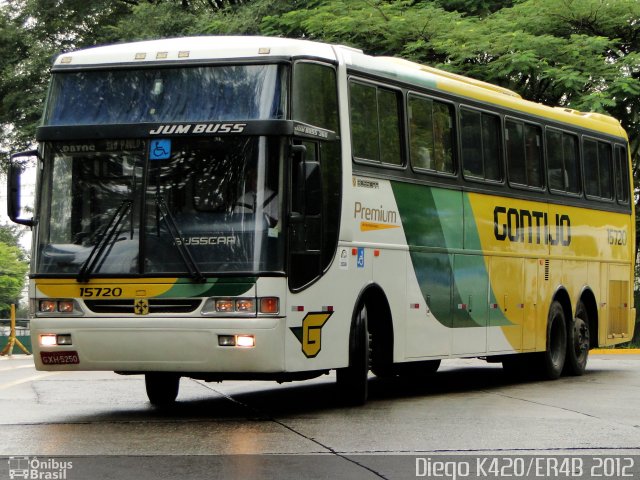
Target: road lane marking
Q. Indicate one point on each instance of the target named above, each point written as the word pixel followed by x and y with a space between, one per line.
pixel 27 380
pixel 615 351
pixel 9 369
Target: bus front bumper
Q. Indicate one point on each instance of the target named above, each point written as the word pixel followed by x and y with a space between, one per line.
pixel 160 344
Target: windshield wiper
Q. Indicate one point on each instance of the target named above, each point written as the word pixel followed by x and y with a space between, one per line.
pixel 106 238
pixel 179 241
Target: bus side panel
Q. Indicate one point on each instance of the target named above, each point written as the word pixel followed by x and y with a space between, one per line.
pixel 431 223
pixel 389 272
pixel 429 284
pixel 508 273
pixel 319 317
pixel 619 325
pixel 532 267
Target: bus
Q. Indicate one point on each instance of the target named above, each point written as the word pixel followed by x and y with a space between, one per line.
pixel 255 208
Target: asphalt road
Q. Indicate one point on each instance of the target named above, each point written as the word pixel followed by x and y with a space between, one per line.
pixel 104 423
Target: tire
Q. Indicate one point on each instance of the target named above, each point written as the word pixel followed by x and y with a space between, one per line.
pixel 578 339
pixel 553 359
pixel 162 388
pixel 352 381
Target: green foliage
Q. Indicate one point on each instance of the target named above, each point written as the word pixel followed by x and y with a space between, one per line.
pixel 13 268
pixel 169 20
pixel 583 54
pixel 475 7
pixel 10 234
pixel 247 19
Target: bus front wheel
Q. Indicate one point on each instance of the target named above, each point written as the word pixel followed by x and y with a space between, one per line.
pixel 162 388
pixel 552 360
pixel 352 381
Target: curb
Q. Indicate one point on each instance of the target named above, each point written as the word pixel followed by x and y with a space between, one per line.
pixel 615 351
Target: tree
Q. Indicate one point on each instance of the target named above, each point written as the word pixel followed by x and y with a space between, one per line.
pixel 13 269
pixel 582 54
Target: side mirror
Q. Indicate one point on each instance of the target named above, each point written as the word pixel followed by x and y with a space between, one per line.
pixel 14 183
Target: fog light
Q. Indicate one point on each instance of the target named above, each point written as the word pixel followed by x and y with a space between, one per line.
pixel 48 340
pixel 64 339
pixel 47 306
pixel 226 340
pixel 245 341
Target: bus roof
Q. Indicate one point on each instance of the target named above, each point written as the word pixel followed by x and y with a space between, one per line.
pixel 201 49
pixel 465 87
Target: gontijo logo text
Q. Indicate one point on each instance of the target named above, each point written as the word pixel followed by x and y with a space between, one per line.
pixel 529 226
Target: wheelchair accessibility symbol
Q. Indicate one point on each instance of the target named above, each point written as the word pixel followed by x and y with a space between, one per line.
pixel 160 149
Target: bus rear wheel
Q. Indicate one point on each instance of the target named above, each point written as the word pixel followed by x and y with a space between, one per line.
pixel 352 381
pixel 578 342
pixel 552 360
pixel 162 388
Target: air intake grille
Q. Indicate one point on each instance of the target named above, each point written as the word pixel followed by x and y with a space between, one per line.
pixel 546 270
pixel 156 305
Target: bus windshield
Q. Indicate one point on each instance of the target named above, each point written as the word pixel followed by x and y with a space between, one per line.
pixel 210 205
pixel 231 92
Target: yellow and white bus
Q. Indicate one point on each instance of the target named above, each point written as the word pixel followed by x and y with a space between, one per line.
pixel 265 208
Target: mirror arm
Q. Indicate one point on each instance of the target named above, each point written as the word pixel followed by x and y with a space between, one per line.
pixel 13 189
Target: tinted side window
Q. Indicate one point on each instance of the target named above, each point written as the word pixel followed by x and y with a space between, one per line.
pixel 571 162
pixel 591 182
pixel 481 145
pixel 622 174
pixel 514 133
pixel 315 95
pixel 533 155
pixel 563 162
pixel 431 133
pixel 389 125
pixel 605 170
pixel 364 121
pixel 492 148
pixel 598 169
pixel 524 153
pixel 375 123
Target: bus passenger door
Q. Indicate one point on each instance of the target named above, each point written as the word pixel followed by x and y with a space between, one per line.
pixel 305 216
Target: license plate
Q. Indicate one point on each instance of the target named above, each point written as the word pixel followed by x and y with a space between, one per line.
pixel 60 358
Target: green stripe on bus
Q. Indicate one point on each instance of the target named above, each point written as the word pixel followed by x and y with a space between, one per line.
pixel 227 287
pixel 454 285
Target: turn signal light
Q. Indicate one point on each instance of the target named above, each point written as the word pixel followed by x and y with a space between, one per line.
pixel 269 305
